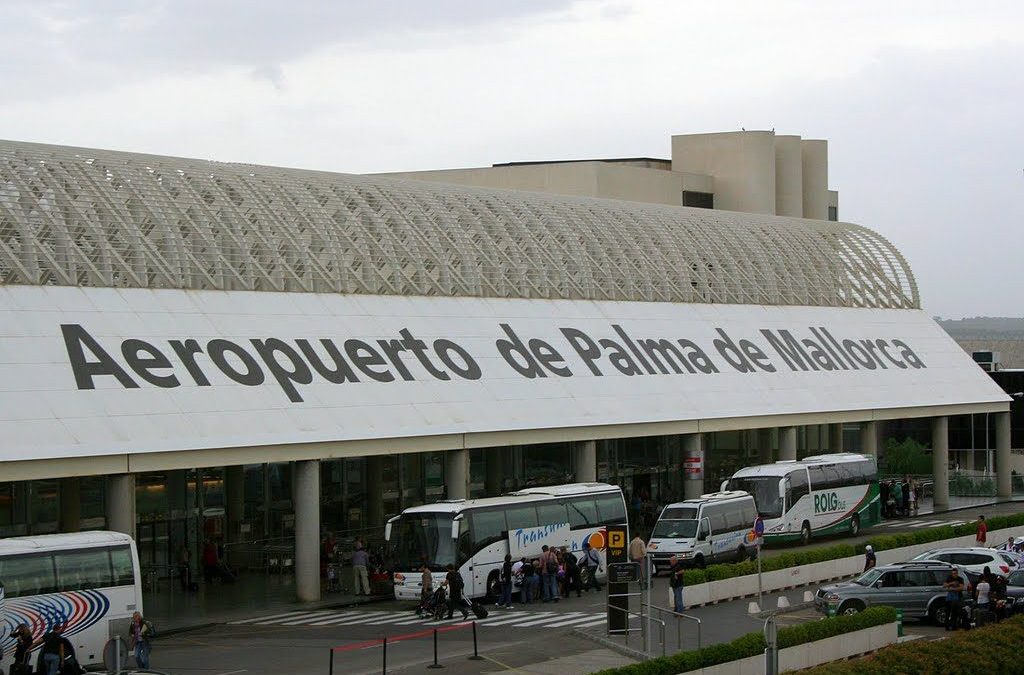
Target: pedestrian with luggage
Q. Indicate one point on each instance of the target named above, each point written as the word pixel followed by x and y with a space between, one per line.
pixel 505 579
pixel 592 563
pixel 455 584
pixel 22 647
pixel 360 579
pixel 141 633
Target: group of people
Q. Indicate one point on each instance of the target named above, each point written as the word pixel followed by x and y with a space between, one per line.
pixel 900 498
pixel 57 654
pixel 988 594
pixel 331 559
pixel 554 575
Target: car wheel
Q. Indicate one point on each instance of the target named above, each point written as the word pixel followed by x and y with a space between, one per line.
pixel 805 533
pixel 851 607
pixel 938 613
pixel 854 526
pixel 699 562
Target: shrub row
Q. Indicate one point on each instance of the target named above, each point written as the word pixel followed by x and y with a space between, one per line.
pixel 752 644
pixel 992 649
pixel 880 543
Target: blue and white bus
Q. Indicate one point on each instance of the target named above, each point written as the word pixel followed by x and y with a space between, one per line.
pixel 87 582
pixel 476 534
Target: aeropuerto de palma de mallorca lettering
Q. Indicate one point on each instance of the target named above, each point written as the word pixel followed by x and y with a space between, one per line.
pixel 193 349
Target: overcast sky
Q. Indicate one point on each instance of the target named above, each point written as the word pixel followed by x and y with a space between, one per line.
pixel 921 101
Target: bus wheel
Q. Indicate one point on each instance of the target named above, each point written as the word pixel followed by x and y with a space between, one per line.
pixel 805 533
pixel 854 525
pixel 493 588
pixel 741 553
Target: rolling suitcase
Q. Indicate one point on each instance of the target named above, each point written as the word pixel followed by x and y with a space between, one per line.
pixel 479 610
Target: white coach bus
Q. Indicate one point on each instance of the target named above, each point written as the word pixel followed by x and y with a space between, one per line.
pixel 84 582
pixel 475 534
pixel 818 495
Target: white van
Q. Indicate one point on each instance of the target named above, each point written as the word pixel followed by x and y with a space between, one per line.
pixel 711 528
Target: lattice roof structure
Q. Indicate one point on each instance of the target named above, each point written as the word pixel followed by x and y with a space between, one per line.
pixel 82 217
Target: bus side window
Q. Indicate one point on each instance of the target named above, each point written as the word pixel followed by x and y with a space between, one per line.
pixel 488 527
pixel 121 561
pixel 551 513
pixel 582 512
pixel 84 569
pixel 27 575
pixel 796 488
pixel 521 516
pixel 611 510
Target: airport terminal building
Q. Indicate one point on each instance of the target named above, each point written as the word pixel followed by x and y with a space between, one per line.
pixel 193 349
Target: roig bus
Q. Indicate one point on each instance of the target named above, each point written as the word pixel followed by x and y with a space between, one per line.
pixel 818 495
pixel 474 535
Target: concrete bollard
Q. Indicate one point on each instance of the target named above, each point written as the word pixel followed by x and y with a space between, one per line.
pixel 808 596
pixel 753 607
pixel 783 602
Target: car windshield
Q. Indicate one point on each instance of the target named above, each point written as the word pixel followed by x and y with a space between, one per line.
pixel 869 577
pixel 765 490
pixel 422 538
pixel 675 529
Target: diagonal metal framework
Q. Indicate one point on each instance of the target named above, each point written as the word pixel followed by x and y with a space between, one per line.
pixel 71 216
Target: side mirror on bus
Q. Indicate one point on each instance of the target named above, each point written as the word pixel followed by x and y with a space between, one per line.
pixel 725 484
pixel 387 528
pixel 455 527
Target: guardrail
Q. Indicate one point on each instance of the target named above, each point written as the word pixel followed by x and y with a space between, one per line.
pixel 678 616
pixel 383 644
pixel 642 617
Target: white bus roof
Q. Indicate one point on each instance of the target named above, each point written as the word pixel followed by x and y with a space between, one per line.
pixel 711 498
pixel 781 468
pixel 520 496
pixel 59 542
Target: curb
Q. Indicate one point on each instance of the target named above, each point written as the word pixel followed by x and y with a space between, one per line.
pixel 608 643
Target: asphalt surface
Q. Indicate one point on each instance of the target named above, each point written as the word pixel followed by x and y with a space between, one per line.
pixel 507 640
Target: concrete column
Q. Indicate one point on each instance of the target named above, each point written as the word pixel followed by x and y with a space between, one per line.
pixel 234 502
pixel 869 438
pixel 940 461
pixel 375 491
pixel 1004 484
pixel 456 473
pixel 70 505
pixel 789 177
pixel 121 503
pixel 494 468
pixel 814 172
pixel 764 446
pixel 585 461
pixel 693 465
pixel 787 443
pixel 835 438
pixel 307 529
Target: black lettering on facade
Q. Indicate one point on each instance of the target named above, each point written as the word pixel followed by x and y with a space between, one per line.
pixel 218 350
pixel 75 337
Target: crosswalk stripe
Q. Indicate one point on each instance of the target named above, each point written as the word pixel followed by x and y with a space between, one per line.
pixel 515 619
pixel 583 620
pixel 345 617
pixel 928 523
pixel 595 622
pixel 265 618
pixel 299 620
pixel 954 523
pixel 537 622
pixel 389 619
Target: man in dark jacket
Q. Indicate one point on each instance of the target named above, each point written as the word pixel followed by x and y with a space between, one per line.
pixel 505 578
pixel 455 583
pixel 572 573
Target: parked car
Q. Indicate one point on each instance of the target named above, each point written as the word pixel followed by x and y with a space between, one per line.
pixel 1015 591
pixel 916 587
pixel 974 559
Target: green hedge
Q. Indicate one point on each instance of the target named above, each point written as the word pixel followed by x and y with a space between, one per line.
pixel 752 644
pixel 992 649
pixel 879 543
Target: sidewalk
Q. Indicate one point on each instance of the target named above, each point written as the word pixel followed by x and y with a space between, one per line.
pixel 253 594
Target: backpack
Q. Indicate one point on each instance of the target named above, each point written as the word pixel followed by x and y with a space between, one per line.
pixel 552 565
pixel 457 582
pixel 149 629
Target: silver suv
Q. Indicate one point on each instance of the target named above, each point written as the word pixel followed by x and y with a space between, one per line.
pixel 915 587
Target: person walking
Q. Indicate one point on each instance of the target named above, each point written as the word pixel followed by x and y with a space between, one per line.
pixel 638 554
pixel 23 644
pixel 912 494
pixel 548 575
pixel 454 580
pixel 426 585
pixel 572 574
pixel 140 632
pixel 52 653
pixel 675 582
pixel 869 558
pixel 954 586
pixel 505 578
pixel 592 564
pixel 981 532
pixel 360 579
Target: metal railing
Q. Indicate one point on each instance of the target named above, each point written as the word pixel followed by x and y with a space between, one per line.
pixel 643 619
pixel 678 616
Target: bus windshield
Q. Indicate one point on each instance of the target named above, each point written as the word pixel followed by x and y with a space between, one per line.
pixel 423 538
pixel 675 529
pixel 764 489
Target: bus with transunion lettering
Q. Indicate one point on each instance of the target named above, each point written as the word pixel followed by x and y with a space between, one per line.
pixel 815 496
pixel 474 535
pixel 86 582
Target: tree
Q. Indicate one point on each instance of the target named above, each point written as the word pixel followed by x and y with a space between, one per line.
pixel 906 457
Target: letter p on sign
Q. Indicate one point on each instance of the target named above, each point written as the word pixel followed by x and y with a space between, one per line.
pixel 616 539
